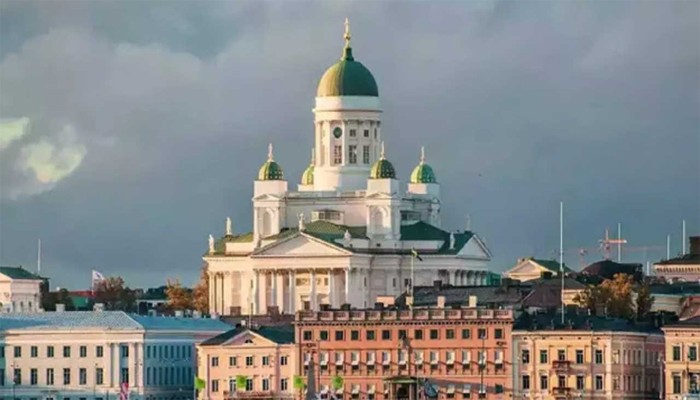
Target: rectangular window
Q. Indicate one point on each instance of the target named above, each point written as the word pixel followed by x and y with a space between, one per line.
pixel 337 154
pixel 265 384
pixel 284 384
pixel 403 334
pixel 526 382
pixel 676 353
pixel 418 334
pixel 266 360
pixel 353 132
pixel 249 385
pixel 366 132
pixel 49 351
pixel 543 382
pixel 33 376
pixel 323 335
pixel 544 356
pixel 599 356
pixel 466 333
pixel 49 376
pixel 215 385
pixel 371 335
pixel 365 154
pixel 66 376
pixel 693 353
pixel 83 351
pixel 434 334
pixel 100 351
pixel 579 356
pixel 215 361
pixel 352 154
pixel 561 381
pixel 125 351
pixel 34 352
pixel 561 355
pixel 498 333
pixel 232 361
pixel 339 335
pixel 124 375
pixel 676 384
pixel 284 360
pixel 354 335
pixel 482 333
pixel 579 382
pixel 66 351
pixel 249 361
pixel 386 334
pixel 308 335
pixel 450 334
pixel 17 379
pixel 99 376
pixel 82 376
pixel 18 351
pixel 599 382
pixel 525 356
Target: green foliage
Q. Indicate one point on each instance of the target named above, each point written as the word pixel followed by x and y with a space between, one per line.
pixel 299 382
pixel 241 381
pixel 644 301
pixel 337 382
pixel 114 294
pixel 616 298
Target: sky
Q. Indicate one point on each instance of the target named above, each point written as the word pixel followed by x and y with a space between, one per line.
pixel 130 130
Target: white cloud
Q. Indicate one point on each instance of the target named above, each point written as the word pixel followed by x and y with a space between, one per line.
pixel 52 162
pixel 12 130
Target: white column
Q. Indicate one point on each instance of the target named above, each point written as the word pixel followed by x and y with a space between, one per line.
pixel 314 305
pixel 347 286
pixel 280 292
pixel 331 288
pixel 455 278
pixel 273 294
pixel 255 297
pixel 262 296
pixel 292 290
pixel 133 367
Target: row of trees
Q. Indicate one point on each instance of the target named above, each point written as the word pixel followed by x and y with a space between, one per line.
pixel 618 297
pixel 181 298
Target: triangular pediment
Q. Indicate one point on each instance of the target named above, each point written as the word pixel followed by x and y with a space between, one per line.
pixel 301 245
pixel 475 248
pixel 268 197
pixel 380 196
pixel 527 267
pixel 249 338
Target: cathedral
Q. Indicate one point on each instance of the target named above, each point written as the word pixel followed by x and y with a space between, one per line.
pixel 350 231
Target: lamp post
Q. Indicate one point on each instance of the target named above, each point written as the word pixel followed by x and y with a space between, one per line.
pixel 14 379
pixel 94 383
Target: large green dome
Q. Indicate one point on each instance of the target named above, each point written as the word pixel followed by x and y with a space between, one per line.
pixel 347 77
pixel 270 171
pixel 423 173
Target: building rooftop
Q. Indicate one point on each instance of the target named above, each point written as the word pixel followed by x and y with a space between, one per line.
pixel 277 334
pixel 692 258
pixel 19 273
pixel 607 269
pixel 579 322
pixel 426 296
pixel 112 320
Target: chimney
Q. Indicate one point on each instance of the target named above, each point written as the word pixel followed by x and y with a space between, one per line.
pixel 98 307
pixel 441 302
pixel 472 302
pixel 60 307
pixel 694 245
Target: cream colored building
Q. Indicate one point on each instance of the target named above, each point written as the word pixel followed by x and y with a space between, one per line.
pixel 586 358
pixel 89 355
pixel 682 372
pixel 527 269
pixel 345 235
pixel 266 357
pixel 20 290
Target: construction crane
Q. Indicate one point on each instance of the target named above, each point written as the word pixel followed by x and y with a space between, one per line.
pixel 607 242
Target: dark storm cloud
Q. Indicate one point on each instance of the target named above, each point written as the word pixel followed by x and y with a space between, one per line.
pixel 520 105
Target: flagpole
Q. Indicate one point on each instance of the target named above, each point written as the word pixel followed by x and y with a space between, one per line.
pixel 561 256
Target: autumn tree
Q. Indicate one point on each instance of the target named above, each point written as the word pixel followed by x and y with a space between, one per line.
pixel 644 301
pixel 201 292
pixel 615 296
pixel 114 294
pixel 179 297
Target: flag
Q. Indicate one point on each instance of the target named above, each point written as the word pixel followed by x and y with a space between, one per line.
pixel 199 383
pixel 415 254
pixel 124 391
pixel 97 277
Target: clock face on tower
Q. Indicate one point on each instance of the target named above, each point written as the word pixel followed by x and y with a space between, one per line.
pixel 337 132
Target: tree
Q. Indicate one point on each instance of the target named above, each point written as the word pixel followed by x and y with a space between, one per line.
pixel 241 382
pixel 179 297
pixel 644 301
pixel 201 291
pixel 114 295
pixel 613 295
pixel 50 299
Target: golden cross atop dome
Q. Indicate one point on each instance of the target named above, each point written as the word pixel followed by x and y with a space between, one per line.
pixel 422 154
pixel 269 152
pixel 347 32
pixel 382 154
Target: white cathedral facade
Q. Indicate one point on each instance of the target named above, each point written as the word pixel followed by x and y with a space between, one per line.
pixel 346 235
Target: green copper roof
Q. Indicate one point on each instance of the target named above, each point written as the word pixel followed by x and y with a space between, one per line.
pixel 270 171
pixel 18 273
pixel 423 173
pixel 347 77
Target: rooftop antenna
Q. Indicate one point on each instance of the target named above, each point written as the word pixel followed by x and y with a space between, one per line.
pixel 561 256
pixel 683 239
pixel 38 257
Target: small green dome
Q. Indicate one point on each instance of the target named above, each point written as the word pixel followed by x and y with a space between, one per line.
pixel 347 77
pixel 307 178
pixel 270 171
pixel 382 168
pixel 423 173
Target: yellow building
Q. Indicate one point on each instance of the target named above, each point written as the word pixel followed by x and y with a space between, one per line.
pixel 527 269
pixel 587 357
pixel 264 359
pixel 681 359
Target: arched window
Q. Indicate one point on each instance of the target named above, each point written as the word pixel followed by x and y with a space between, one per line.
pixel 267 223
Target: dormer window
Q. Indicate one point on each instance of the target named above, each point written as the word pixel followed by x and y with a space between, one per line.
pixel 327 215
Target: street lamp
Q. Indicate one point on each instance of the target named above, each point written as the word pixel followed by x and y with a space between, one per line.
pixel 94 383
pixel 14 378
